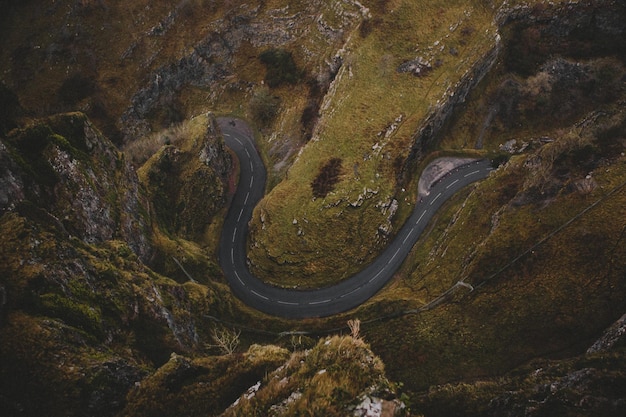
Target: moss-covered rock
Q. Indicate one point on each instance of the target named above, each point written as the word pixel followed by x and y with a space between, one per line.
pixel 50 368
pixel 340 376
pixel 202 386
pixel 590 384
pixel 187 182
pixel 64 166
pixel 82 317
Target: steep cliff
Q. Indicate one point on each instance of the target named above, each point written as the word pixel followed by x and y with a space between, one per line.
pixel 110 293
pixel 187 181
pixel 82 317
pixel 590 384
pixel 64 168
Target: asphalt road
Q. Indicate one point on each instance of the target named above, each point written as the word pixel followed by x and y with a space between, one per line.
pixel 298 304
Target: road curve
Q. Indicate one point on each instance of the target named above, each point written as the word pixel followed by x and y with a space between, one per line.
pixel 349 293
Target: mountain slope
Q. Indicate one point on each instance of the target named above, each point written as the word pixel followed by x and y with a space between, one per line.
pixel 108 257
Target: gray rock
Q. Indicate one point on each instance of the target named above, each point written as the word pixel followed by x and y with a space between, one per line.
pixel 419 67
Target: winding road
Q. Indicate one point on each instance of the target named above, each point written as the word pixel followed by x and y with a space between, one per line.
pixel 298 304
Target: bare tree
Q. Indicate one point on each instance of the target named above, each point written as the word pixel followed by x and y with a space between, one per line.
pixel 226 340
pixel 355 328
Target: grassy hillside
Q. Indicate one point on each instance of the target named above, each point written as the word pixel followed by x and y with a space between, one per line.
pixel 138 67
pixel 367 122
pixel 108 258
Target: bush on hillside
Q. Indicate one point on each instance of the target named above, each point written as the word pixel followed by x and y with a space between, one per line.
pixel 264 107
pixel 326 179
pixel 280 67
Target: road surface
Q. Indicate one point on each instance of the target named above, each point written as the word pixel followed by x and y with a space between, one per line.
pixel 298 304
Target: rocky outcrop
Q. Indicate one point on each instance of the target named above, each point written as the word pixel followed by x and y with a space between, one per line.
pixel 83 319
pixel 64 167
pixel 596 17
pixel 211 63
pixel 612 339
pixel 585 385
pixel 580 29
pixel 419 67
pixel 203 385
pixel 187 183
pixel 429 132
pixel 11 183
pixel 340 376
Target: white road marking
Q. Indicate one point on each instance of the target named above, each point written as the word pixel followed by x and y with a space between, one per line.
pixel 351 292
pixel 452 183
pixel 377 275
pixel 407 236
pixel 259 295
pixel 320 302
pixel 287 303
pixel 239 278
pixel 326 301
pixel 227 135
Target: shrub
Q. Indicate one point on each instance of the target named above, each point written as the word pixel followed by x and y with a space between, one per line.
pixel 326 178
pixel 280 67
pixel 264 106
pixel 309 117
pixel 140 150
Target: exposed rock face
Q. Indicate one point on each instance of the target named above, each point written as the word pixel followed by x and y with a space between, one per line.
pixel 213 152
pixel 419 67
pixel 80 313
pixel 11 184
pixel 580 392
pixel 202 386
pixel 613 337
pixel 589 384
pixel 429 132
pixel 187 184
pixel 65 167
pixel 585 388
pixel 577 29
pixel 81 326
pixel 340 376
pixel 212 60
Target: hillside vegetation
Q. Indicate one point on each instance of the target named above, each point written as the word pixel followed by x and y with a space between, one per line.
pixel 112 301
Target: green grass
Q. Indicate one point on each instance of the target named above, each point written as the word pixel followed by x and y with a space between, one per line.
pixel 552 301
pixel 326 380
pixel 332 240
